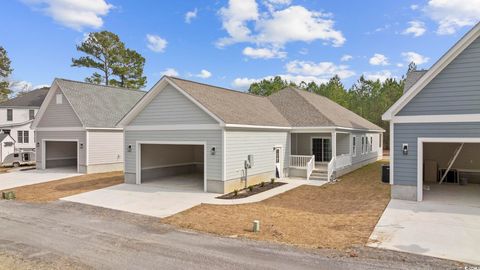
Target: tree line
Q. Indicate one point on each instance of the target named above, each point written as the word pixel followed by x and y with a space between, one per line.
pixel 367 98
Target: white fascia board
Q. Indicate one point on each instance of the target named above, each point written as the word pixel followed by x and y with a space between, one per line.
pixel 174 127
pixel 60 129
pixel 446 59
pixel 255 127
pixel 448 118
pixel 99 128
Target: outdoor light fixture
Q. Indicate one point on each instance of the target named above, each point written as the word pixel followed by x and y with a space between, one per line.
pixel 405 149
pixel 129 148
pixel 38 144
pixel 81 146
pixel 212 151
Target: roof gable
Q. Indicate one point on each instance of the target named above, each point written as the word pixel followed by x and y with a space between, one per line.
pixel 58 115
pixel 440 65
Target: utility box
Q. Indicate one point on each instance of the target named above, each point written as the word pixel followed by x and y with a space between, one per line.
pixel 250 160
pixel 386 173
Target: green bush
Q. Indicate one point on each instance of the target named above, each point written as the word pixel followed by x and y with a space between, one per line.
pixel 250 188
pixel 235 192
pixel 272 180
pixel 262 184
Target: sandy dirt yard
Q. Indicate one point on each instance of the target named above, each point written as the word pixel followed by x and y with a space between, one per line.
pixel 54 190
pixel 340 215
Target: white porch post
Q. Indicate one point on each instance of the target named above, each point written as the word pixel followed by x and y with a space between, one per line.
pixel 334 144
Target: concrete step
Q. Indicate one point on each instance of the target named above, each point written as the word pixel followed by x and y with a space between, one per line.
pixel 322 178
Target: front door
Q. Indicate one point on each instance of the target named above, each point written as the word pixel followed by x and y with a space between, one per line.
pixel 278 162
pixel 322 149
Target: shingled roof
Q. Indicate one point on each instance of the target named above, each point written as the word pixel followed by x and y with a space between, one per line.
pixel 99 105
pixel 412 78
pixel 33 98
pixel 290 107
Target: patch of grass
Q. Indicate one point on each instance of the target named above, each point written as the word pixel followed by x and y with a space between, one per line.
pixel 54 190
pixel 338 215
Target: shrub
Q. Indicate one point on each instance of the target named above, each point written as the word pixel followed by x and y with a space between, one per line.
pixel 235 192
pixel 262 184
pixel 250 188
pixel 272 180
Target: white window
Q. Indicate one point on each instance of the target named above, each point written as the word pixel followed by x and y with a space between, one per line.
pixel 23 136
pixel 9 114
pixel 354 146
pixel 371 144
pixel 59 99
pixel 380 137
pixel 31 114
pixel 20 136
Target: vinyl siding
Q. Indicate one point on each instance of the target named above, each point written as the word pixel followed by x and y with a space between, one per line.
pixel 455 90
pixel 405 166
pixel 170 107
pixel 59 115
pixel 343 143
pixel 240 144
pixel 61 135
pixel 369 154
pixel 105 147
pixel 213 138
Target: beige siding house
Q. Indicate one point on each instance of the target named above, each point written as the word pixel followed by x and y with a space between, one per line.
pixel 219 140
pixel 76 126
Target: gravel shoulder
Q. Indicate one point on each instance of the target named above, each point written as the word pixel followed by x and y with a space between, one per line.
pixel 67 235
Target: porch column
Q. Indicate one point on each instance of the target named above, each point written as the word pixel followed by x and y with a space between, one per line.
pixel 334 144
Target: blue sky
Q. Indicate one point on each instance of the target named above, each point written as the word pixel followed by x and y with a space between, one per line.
pixel 233 43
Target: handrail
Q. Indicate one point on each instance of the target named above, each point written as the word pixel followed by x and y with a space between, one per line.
pixel 310 166
pixel 331 169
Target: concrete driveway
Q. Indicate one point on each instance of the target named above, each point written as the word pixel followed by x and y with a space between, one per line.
pixel 29 177
pixel 444 225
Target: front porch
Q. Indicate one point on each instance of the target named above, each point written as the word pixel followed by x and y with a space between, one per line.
pixel 318 156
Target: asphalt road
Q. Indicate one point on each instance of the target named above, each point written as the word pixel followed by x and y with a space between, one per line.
pixel 80 236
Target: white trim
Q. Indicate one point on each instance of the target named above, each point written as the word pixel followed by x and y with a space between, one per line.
pixel 101 128
pixel 333 143
pixel 445 118
pixel 392 151
pixel 353 150
pixel 157 89
pixel 172 165
pixel 420 142
pixel 60 129
pixel 328 129
pixel 138 157
pixel 174 127
pixel 224 155
pixel 323 149
pixel 438 67
pixel 256 126
pixel 87 143
pixel 281 158
pixel 44 152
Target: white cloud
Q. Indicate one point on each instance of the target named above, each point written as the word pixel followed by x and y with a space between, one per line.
pixel 170 72
pixel 452 15
pixel 189 16
pixel 378 60
pixel 415 57
pixel 416 28
pixel 204 74
pixel 245 23
pixel 244 83
pixel 321 70
pixel 156 43
pixel 399 65
pixel 346 58
pixel 263 53
pixel 74 14
pixel 380 75
pixel 24 86
pixel 303 51
pixel 414 7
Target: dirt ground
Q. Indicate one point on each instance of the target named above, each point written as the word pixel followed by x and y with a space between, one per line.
pixel 54 190
pixel 339 215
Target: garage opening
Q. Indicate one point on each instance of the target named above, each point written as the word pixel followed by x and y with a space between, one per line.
pixel 451 172
pixel 174 166
pixel 61 154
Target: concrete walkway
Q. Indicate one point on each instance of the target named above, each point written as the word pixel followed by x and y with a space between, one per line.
pixel 165 200
pixel 29 177
pixel 444 225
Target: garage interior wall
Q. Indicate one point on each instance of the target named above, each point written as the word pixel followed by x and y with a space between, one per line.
pixel 61 154
pixel 161 160
pixel 468 159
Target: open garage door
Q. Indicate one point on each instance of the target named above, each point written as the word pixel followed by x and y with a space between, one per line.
pixel 173 166
pixel 450 171
pixel 61 154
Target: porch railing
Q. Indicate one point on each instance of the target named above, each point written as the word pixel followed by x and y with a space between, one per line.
pixel 298 161
pixel 343 161
pixel 331 169
pixel 310 167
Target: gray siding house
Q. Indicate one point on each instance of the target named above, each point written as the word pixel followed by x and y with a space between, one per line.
pixel 76 126
pixel 222 137
pixel 435 125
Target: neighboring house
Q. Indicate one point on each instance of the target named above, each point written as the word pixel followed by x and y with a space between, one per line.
pixel 16 116
pixel 7 144
pixel 183 128
pixel 76 126
pixel 435 125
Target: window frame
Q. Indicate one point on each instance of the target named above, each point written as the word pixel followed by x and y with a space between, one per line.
pixel 354 146
pixel 363 145
pixel 59 99
pixel 19 136
pixel 31 114
pixel 9 115
pixel 26 136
